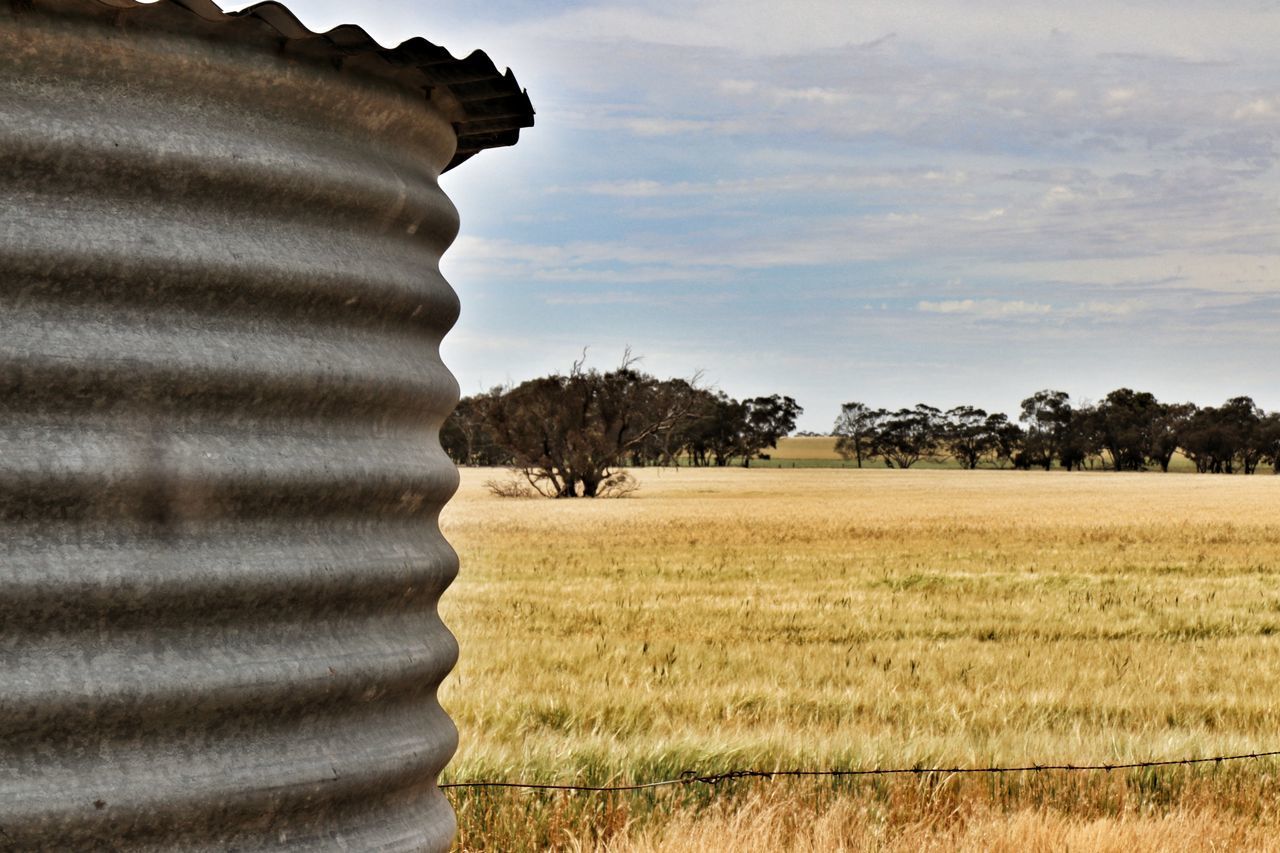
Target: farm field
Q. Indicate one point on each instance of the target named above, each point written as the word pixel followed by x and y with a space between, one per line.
pixel 729 618
pixel 800 448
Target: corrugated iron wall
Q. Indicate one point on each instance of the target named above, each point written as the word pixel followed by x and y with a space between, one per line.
pixel 220 310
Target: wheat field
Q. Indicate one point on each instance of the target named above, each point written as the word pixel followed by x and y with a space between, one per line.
pixel 730 618
pixel 806 448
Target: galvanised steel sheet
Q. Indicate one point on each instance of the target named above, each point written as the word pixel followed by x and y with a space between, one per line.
pixel 220 389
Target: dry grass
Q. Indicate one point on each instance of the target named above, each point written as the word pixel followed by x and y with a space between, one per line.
pixel 805 447
pixel 942 820
pixel 723 618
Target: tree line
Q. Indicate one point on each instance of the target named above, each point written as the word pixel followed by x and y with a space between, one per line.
pixel 1126 431
pixel 570 435
pixel 573 434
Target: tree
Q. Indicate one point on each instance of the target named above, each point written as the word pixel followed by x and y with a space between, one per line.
pixel 1047 415
pixel 909 435
pixel 1008 438
pixel 568 433
pixel 667 446
pixel 1269 440
pixel 723 429
pixel 1217 439
pixel 1244 419
pixel 856 430
pixel 1167 432
pixel 713 435
pixel 1081 439
pixel 1208 442
pixel 967 435
pixel 1127 422
pixel 465 434
pixel 767 419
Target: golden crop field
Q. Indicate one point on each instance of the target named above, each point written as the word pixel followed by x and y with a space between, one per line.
pixel 731 618
pixel 807 447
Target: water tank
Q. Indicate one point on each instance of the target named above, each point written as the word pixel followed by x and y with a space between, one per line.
pixel 220 389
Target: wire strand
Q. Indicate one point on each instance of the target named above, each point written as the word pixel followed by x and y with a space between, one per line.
pixel 692 777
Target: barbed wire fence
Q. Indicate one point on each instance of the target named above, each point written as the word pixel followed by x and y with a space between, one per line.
pixel 693 777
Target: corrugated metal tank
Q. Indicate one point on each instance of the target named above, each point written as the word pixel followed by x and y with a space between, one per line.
pixel 220 388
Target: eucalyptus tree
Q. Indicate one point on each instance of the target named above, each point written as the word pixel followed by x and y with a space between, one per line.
pixel 1226 438
pixel 465 435
pixel 967 436
pixel 856 430
pixel 767 419
pixel 1007 438
pixel 569 434
pixel 909 435
pixel 1047 415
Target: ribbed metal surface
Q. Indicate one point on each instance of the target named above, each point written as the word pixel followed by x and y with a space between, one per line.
pixel 220 310
pixel 487 108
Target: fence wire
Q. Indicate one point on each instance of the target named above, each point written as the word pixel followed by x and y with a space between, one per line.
pixel 693 777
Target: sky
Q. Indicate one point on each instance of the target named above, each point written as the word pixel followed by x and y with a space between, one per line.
pixel 890 202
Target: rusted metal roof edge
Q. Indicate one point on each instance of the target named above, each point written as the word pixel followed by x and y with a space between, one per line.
pixel 494 106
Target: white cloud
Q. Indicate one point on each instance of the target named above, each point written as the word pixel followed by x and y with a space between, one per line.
pixel 1057 195
pixel 739 87
pixel 984 307
pixel 628 188
pixel 1258 108
pixel 661 126
pixel 1120 95
pixel 812 94
pixel 635 298
pixel 814 182
pixel 1115 308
